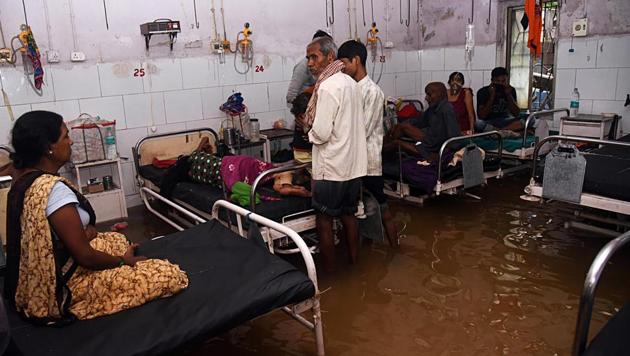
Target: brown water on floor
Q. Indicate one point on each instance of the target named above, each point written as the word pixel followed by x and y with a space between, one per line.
pixel 497 276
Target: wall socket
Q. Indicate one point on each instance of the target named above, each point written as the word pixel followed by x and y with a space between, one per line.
pixel 389 44
pixel 579 27
pixel 77 56
pixel 52 56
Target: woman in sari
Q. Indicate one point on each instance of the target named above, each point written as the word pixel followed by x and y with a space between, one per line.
pixel 58 267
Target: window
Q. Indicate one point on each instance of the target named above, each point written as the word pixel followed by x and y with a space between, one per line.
pixel 532 77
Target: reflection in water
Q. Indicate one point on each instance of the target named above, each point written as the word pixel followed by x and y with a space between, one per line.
pixel 493 277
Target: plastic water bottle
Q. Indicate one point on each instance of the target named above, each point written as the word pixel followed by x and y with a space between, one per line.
pixel 255 130
pixel 575 103
pixel 110 145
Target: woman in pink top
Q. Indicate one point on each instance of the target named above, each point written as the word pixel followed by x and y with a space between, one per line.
pixel 461 99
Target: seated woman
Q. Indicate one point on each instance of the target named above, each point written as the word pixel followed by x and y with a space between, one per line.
pixel 206 167
pixel 58 267
pixel 462 100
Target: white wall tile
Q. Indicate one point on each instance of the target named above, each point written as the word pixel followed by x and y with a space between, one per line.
pixel 432 59
pixel 118 78
pixel 144 110
pixel 388 85
pixel 69 109
pixel 396 62
pixel 405 84
pixel 266 68
pixel 623 83
pixel 288 63
pixel 126 139
pixel 182 106
pixel 6 124
pixel 441 76
pixel 130 185
pixel 19 90
pixel 413 61
pixel 613 52
pixel 255 96
pixel 169 128
pixel 583 56
pixel 227 74
pixel 266 119
pixel 78 82
pixel 614 106
pixel 199 72
pixel 474 80
pixel 559 104
pixel 484 57
pixel 133 200
pixel 162 75
pixel 424 78
pixel 596 83
pixel 454 58
pixel 565 82
pixel 487 76
pixel 211 99
pixel 108 108
pixel 278 95
pixel 214 124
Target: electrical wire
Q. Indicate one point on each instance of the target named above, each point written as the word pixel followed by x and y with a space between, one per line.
pixel 74 36
pixel 47 20
pixel 246 59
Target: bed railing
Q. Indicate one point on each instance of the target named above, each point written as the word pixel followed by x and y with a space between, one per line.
pixel 272 171
pixel 536 114
pixel 569 139
pixel 465 138
pixel 136 149
pixel 585 309
pixel 144 191
pixel 316 324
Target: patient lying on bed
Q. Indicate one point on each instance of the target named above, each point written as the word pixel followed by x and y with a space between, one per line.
pixel 208 168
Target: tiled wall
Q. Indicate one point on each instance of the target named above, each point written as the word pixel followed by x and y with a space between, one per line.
pixel 175 94
pixel 185 93
pixel 600 69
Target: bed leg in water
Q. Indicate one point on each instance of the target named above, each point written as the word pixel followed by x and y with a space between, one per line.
pixel 312 304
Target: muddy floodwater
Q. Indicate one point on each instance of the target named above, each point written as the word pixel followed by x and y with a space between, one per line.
pixel 496 276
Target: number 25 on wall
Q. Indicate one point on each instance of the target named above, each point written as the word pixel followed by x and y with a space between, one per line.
pixel 138 72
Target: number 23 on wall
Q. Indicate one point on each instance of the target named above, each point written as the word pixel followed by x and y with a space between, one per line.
pixel 138 72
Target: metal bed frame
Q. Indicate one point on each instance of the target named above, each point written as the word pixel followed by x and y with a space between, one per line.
pixel 403 190
pixel 525 153
pixel 183 214
pixel 534 189
pixel 585 310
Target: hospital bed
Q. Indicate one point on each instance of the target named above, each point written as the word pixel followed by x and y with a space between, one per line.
pixel 193 201
pixel 612 339
pixel 440 177
pixel 518 149
pixel 231 280
pixel 606 184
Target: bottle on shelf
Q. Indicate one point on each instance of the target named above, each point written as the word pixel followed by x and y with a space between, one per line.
pixel 110 145
pixel 575 103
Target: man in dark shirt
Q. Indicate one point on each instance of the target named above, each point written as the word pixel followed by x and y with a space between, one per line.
pixel 496 104
pixel 438 124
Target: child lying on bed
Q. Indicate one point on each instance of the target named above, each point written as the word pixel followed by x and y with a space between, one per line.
pixel 208 168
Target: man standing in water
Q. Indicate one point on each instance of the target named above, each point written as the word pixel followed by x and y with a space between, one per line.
pixel 335 126
pixel 353 54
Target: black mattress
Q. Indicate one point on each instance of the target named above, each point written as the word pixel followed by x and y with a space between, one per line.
pixel 607 171
pixel 203 196
pixel 391 169
pixel 612 339
pixel 232 280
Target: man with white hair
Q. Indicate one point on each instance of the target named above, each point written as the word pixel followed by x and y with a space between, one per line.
pixel 335 126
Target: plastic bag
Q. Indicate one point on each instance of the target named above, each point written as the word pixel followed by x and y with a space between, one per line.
pixel 88 134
